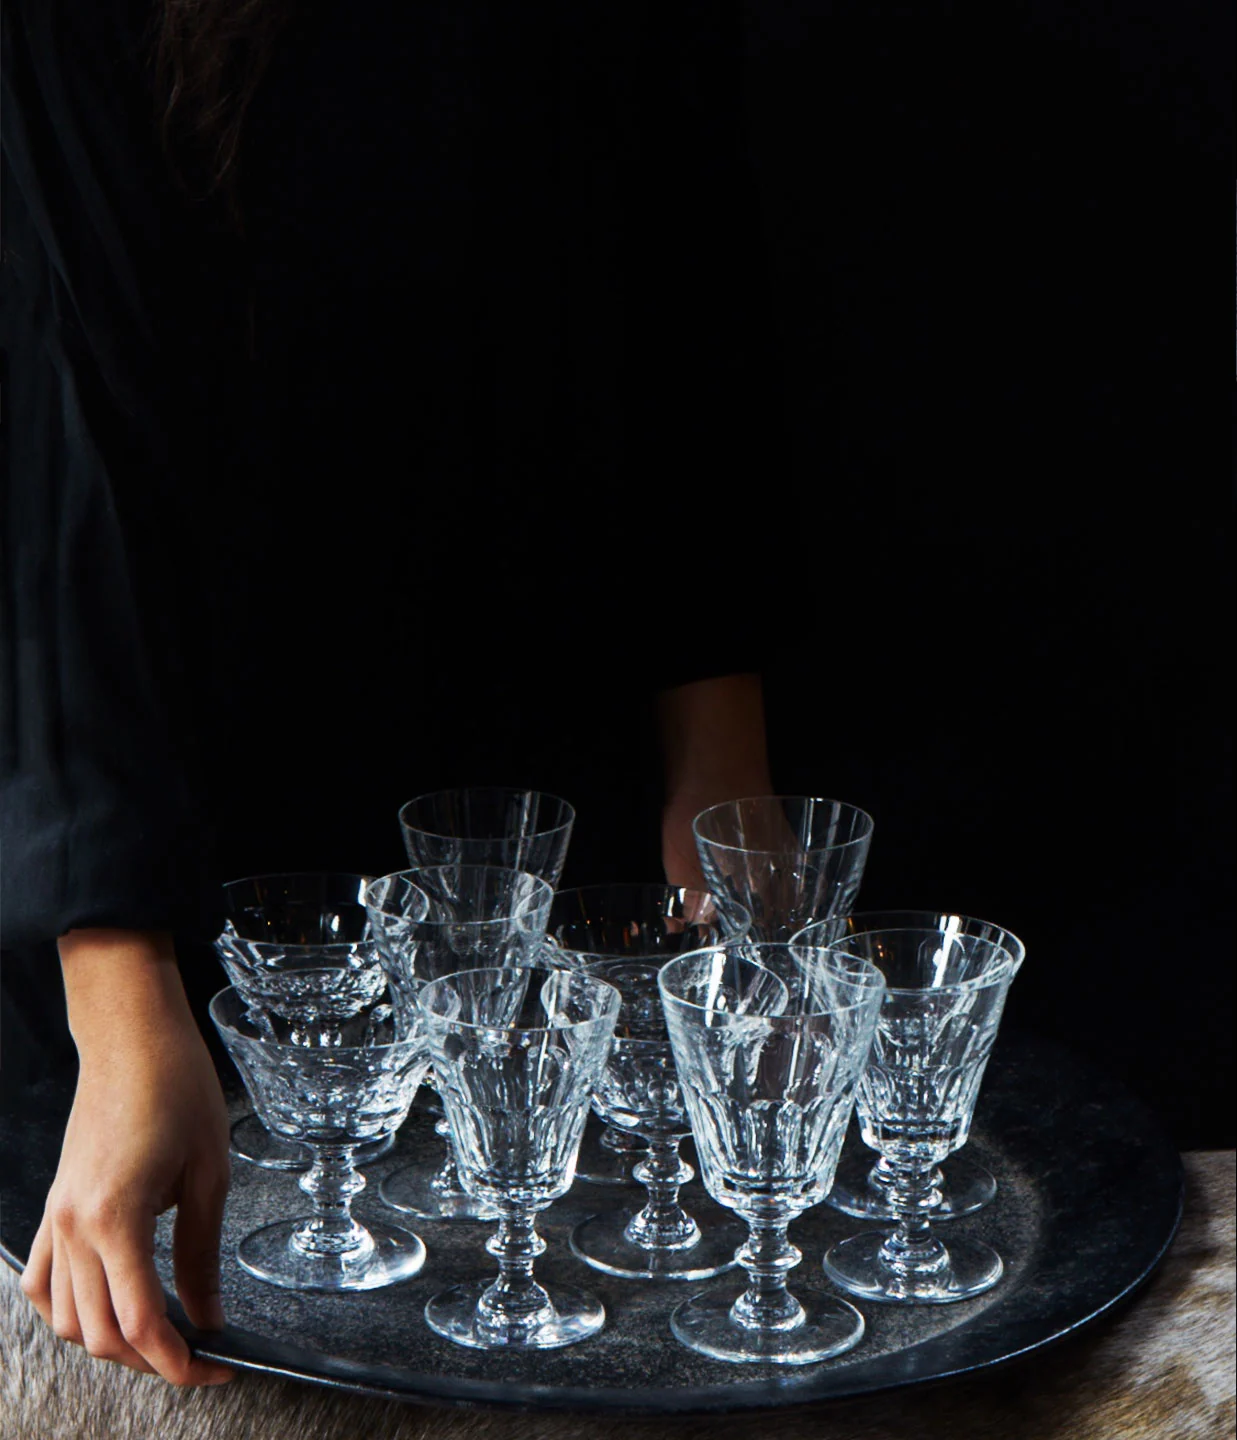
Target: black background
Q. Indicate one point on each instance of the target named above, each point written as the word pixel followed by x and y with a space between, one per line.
pixel 997 594
pixel 1003 590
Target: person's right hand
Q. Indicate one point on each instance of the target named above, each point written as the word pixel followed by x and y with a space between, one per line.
pixel 148 1130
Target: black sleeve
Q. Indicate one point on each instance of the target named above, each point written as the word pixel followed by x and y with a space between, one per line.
pixel 706 393
pixel 100 655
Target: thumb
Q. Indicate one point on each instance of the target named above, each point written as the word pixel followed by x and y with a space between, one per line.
pixel 195 1251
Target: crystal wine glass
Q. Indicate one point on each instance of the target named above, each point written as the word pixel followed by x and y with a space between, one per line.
pixel 331 1099
pixel 489 825
pixel 785 860
pixel 517 829
pixel 965 1186
pixel 945 994
pixel 298 946
pixel 518 1052
pixel 624 934
pixel 478 916
pixel 769 1044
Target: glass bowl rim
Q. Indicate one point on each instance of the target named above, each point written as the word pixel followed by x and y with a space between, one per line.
pixel 722 918
pixel 776 1021
pixel 1011 942
pixel 807 849
pixel 566 805
pixel 430 1019
pixel 417 1039
pixel 531 905
pixel 1000 971
pixel 361 875
pixel 316 947
pixel 327 948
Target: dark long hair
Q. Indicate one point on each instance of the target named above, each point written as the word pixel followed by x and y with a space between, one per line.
pixel 207 58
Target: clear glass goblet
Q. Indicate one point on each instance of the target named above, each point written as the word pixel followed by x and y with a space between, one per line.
pixel 477 916
pixel 768 1059
pixel 624 934
pixel 785 860
pixel 502 825
pixel 965 1186
pixel 518 1052
pixel 489 825
pixel 945 994
pixel 298 946
pixel 331 1099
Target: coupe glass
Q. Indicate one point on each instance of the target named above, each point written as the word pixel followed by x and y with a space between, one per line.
pixel 489 825
pixel 477 916
pixel 964 1185
pixel 624 934
pixel 785 860
pixel 331 1099
pixel 769 1045
pixel 518 1052
pixel 945 993
pixel 298 946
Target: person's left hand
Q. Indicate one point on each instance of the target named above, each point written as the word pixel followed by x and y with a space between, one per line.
pixel 148 1130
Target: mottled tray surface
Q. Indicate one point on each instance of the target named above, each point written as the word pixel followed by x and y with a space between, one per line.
pixel 1090 1197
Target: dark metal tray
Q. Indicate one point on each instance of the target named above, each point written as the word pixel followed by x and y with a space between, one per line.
pixel 1090 1198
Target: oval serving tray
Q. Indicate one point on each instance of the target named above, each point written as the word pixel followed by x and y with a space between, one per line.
pixel 1090 1197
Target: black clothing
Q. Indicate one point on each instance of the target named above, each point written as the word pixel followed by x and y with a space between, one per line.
pixel 512 405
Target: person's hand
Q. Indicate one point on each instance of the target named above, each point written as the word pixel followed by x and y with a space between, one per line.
pixel 148 1130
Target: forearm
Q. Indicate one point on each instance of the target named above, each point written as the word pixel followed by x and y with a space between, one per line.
pixel 713 738
pixel 714 748
pixel 122 988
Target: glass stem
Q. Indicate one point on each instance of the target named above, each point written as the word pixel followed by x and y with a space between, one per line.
pixel 447 1181
pixel 330 1183
pixel 663 1224
pixel 766 1304
pixel 913 1248
pixel 883 1175
pixel 514 1304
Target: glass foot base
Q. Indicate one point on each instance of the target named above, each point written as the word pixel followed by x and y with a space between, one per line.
pixel 252 1141
pixel 411 1191
pixel 600 1241
pixel 575 1315
pixel 855 1265
pixel 269 1254
pixel 830 1327
pixel 599 1164
pixel 967 1187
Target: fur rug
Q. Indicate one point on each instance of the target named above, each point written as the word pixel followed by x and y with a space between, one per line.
pixel 1163 1371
